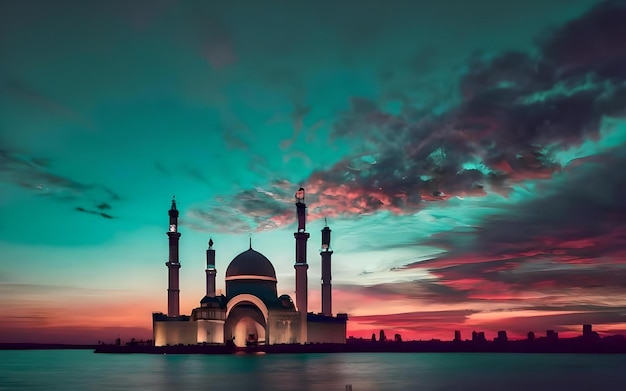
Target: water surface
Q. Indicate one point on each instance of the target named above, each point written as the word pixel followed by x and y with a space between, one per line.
pixel 84 370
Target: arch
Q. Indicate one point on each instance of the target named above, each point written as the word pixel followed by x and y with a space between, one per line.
pixel 244 327
pixel 232 303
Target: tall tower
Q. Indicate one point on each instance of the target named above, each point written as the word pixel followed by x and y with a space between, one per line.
pixel 301 266
pixel 173 265
pixel 326 252
pixel 210 270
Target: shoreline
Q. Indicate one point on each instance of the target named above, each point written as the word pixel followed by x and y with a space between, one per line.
pixel 562 346
pixel 572 346
pixel 43 346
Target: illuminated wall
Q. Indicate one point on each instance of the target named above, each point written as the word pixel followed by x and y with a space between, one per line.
pixel 283 327
pixel 174 332
pixel 210 323
pixel 210 331
pixel 322 329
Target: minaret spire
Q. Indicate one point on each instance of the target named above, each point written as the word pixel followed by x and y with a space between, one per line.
pixel 173 264
pixel 210 270
pixel 301 265
pixel 326 252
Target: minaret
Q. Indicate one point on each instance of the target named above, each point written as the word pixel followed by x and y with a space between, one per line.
pixel 326 252
pixel 301 266
pixel 210 270
pixel 173 265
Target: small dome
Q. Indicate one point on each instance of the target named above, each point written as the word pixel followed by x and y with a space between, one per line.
pixel 285 301
pixel 251 263
pixel 213 301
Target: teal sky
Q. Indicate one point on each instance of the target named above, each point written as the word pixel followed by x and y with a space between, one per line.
pixel 467 156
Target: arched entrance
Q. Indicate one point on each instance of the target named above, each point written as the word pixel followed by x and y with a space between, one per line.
pixel 246 324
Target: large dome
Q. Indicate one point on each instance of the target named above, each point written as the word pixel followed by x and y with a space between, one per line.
pixel 251 263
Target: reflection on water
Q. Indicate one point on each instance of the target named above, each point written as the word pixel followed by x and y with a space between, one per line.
pixel 83 370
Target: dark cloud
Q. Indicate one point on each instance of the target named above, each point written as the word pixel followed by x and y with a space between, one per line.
pixel 258 209
pixel 479 280
pixel 35 174
pixel 103 206
pixel 415 319
pixel 592 43
pixel 517 110
pixel 424 290
pixel 93 212
pixel 569 239
pixel 514 113
pixel 585 203
pixel 27 172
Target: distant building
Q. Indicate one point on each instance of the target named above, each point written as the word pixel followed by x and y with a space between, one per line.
pixel 457 335
pixel 588 332
pixel 531 336
pixel 552 335
pixel 478 336
pixel 251 312
pixel 502 337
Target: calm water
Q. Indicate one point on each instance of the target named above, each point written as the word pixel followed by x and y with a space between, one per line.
pixel 83 370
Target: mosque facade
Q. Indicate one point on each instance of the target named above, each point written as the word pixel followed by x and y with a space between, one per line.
pixel 251 312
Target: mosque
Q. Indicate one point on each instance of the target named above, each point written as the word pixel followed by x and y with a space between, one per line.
pixel 251 312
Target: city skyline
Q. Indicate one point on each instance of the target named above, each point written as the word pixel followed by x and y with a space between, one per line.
pixel 468 159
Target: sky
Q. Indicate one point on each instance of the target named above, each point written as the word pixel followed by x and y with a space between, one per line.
pixel 468 157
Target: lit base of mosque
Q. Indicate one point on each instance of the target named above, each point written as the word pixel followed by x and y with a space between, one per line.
pixel 283 327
